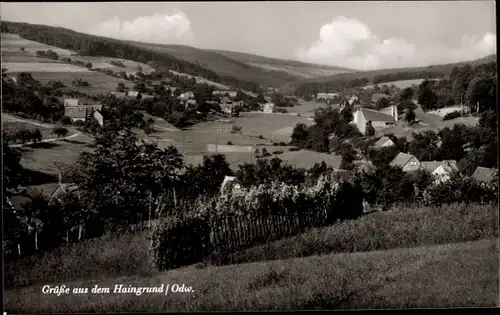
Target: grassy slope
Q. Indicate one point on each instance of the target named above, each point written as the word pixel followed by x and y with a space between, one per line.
pixel 444 69
pixel 222 64
pixel 452 275
pixel 107 261
pixel 297 68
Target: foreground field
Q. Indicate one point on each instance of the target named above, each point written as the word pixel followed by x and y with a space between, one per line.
pixel 451 275
pixel 110 257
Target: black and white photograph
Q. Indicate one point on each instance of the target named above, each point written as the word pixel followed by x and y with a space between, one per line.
pixel 249 156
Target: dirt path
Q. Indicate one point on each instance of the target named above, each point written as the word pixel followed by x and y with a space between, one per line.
pixel 11 118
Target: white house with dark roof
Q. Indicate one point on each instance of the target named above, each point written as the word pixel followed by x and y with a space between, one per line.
pixel 485 175
pixel 377 119
pixel 269 108
pixel 441 170
pixel 407 162
pixel 384 142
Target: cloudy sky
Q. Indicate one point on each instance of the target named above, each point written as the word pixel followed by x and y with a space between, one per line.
pixel 360 35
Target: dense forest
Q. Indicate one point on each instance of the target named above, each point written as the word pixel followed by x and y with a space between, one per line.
pixel 89 45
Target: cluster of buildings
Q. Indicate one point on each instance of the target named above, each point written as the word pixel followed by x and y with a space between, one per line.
pixel 77 110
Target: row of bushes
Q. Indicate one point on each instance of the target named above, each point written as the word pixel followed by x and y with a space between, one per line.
pixel 226 223
pixel 23 136
pixel 207 227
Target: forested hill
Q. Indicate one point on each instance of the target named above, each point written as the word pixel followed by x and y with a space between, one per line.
pixel 358 79
pixel 90 45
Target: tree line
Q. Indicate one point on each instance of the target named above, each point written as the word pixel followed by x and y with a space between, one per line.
pixel 89 45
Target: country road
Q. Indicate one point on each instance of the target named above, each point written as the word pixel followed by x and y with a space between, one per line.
pixel 11 118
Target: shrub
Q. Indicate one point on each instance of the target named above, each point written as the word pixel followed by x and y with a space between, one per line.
pixel 278 152
pixel 60 131
pixel 293 149
pixel 180 241
pixel 66 120
pixel 236 128
pixel 229 143
pixel 452 115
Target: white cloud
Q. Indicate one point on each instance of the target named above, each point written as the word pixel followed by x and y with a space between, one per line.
pixel 350 43
pixel 157 28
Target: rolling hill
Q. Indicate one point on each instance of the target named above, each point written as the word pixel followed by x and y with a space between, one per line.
pixel 228 68
pixel 363 78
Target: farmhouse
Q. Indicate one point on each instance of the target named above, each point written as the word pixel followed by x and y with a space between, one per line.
pixel 440 169
pixel 269 108
pixel 328 97
pixel 230 183
pixel 187 95
pixel 378 119
pixel 81 112
pixel 407 162
pixel 378 96
pixel 485 175
pixel 119 94
pixel 72 102
pixel 134 94
pixel 384 142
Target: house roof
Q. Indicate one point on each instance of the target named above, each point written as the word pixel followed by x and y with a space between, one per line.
pixel 119 94
pixel 146 96
pixel 382 141
pixel 75 112
pixel 401 159
pixel 484 174
pixel 373 115
pixel 71 102
pixel 191 102
pixel 133 93
pixel 431 166
pixel 226 99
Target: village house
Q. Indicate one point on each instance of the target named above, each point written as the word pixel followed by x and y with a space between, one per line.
pixel 230 183
pixel 485 175
pixel 72 102
pixel 377 119
pixel 384 142
pixel 407 162
pixel 134 94
pixel 269 108
pixel 120 95
pixel 187 95
pixel 81 112
pixel 441 170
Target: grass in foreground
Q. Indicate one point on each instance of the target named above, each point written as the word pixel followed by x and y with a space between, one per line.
pixel 384 230
pixel 451 275
pixel 128 255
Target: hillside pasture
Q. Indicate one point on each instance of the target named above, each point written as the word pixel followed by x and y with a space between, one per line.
pixel 24 57
pixel 104 63
pixel 14 42
pixel 99 82
pixel 201 80
pixel 52 67
pixel 306 159
pixel 42 158
pixel 402 84
pixel 305 72
pixel 12 127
